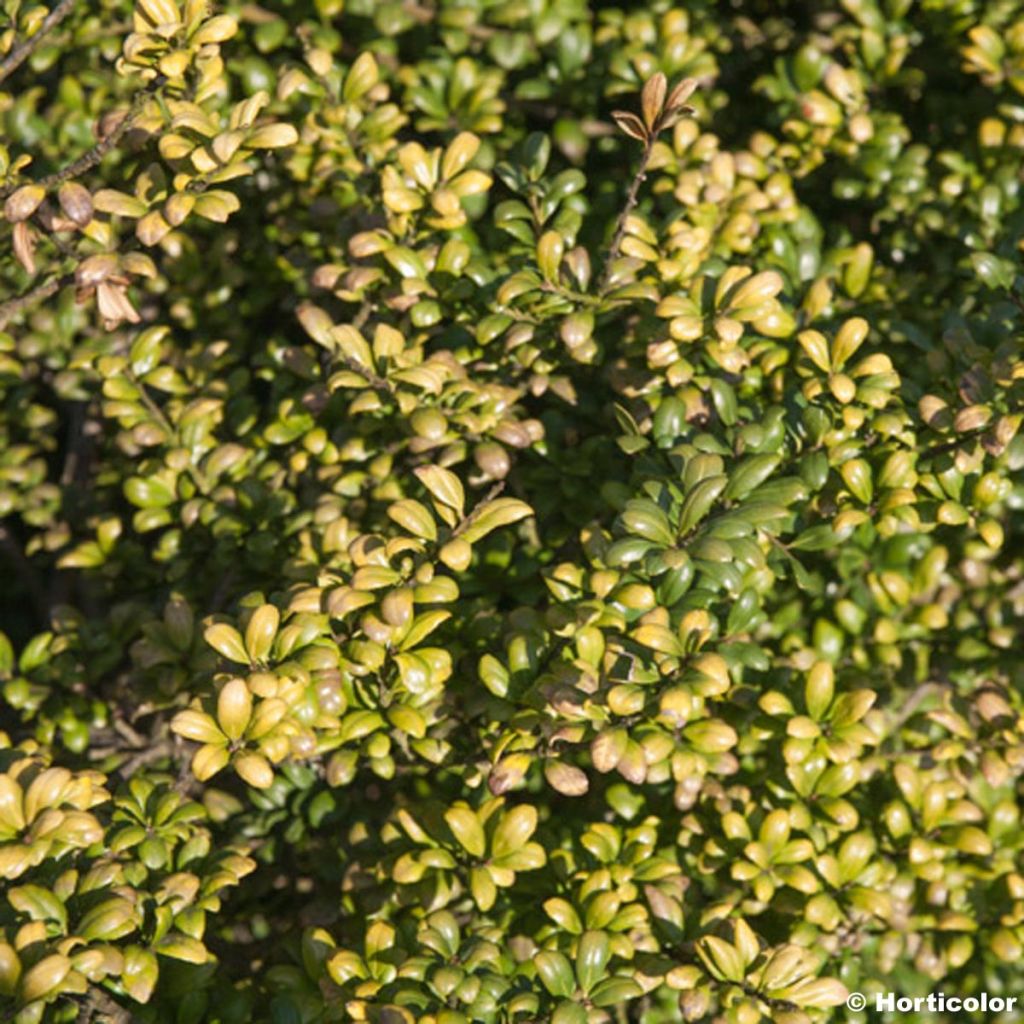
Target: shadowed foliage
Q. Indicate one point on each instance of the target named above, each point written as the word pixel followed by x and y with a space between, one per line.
pixel 510 510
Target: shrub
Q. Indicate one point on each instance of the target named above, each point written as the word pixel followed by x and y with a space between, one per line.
pixel 511 510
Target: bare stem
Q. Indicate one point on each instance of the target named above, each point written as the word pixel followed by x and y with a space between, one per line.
pixel 97 1006
pixel 92 157
pixel 375 380
pixel 24 50
pixel 12 307
pixel 470 518
pixel 157 752
pixel 949 446
pixel 363 314
pixel 631 200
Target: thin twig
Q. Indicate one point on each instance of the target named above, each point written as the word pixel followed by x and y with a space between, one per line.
pixel 375 380
pixel 94 156
pixel 186 782
pixel 631 200
pixel 949 446
pixel 97 1002
pixel 128 732
pixel 481 507
pixel 156 752
pixel 14 306
pixel 363 314
pixel 21 53
pixel 151 407
pixel 914 701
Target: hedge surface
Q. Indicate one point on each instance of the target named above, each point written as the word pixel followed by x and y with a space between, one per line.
pixel 510 510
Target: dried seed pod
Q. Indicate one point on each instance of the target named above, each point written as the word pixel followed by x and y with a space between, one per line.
pixel 630 124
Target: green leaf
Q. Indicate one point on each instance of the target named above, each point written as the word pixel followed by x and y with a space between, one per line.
pixel 815 538
pixel 514 830
pixel 645 519
pixel 466 828
pixel 993 271
pixel 414 517
pixel 495 514
pixel 148 492
pixel 592 958
pixel 227 641
pixel 38 904
pixel 615 992
pixel 564 915
pixel 721 959
pixel 444 485
pixel 555 973
pixel 569 1013
pixel 699 500
pixel 750 473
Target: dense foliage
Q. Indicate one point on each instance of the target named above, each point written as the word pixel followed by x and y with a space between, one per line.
pixel 511 509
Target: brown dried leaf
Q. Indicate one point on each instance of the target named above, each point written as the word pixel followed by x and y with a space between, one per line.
pixel 24 246
pixel 94 269
pixel 109 123
pixel 680 94
pixel 114 306
pixel 652 99
pixel 672 117
pixel 630 124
